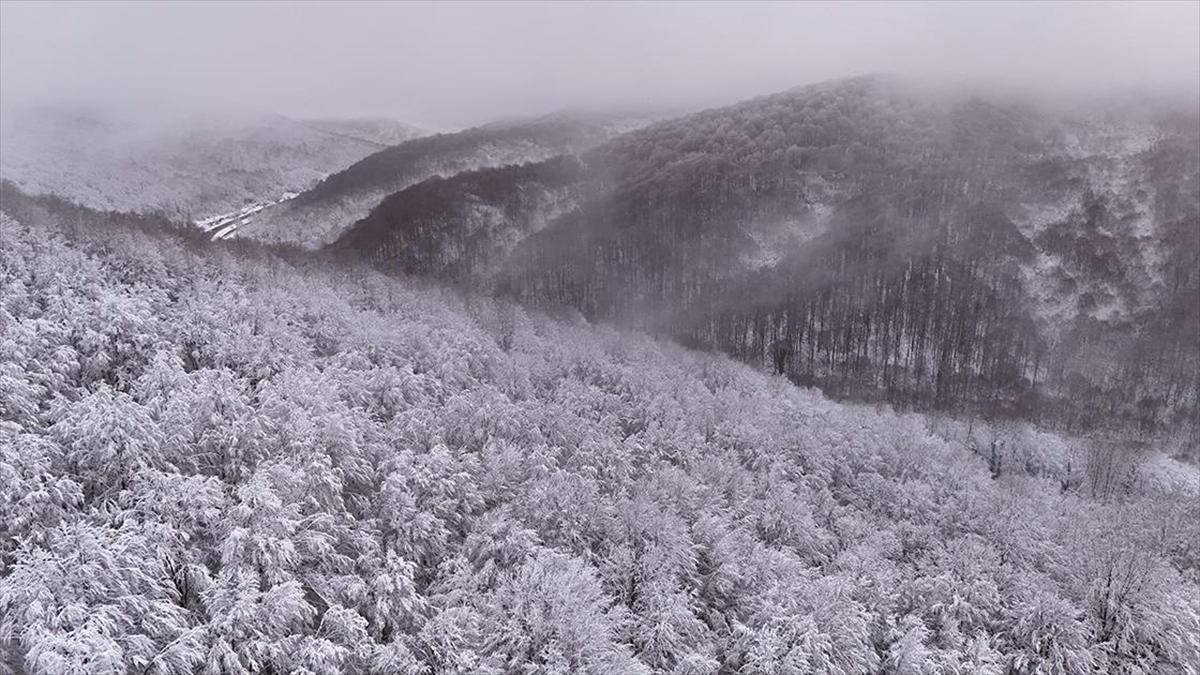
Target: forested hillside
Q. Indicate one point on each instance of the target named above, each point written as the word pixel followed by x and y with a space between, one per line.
pixel 320 215
pixel 193 166
pixel 218 458
pixel 883 241
pixel 461 229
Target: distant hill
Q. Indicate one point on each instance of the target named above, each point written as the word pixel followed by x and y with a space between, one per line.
pixel 460 228
pixel 318 216
pixel 872 237
pixel 186 165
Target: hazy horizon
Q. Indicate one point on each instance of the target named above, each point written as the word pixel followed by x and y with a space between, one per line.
pixel 452 65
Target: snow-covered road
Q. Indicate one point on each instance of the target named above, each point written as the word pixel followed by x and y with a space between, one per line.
pixel 224 225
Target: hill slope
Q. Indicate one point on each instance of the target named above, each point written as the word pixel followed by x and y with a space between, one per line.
pixel 462 228
pixel 318 216
pixel 217 459
pixel 880 239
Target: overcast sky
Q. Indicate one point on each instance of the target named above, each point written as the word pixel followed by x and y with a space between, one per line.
pixel 454 64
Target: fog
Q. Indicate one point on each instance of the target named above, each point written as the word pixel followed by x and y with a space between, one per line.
pixel 456 64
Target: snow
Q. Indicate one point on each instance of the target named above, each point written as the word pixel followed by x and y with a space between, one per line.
pixel 1167 475
pixel 775 240
pixel 1107 160
pixel 224 225
pixel 1042 283
pixel 364 450
pixel 1033 219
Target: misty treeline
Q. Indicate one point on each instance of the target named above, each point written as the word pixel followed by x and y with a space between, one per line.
pixel 222 458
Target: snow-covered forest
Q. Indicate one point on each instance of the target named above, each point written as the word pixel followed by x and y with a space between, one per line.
pixel 959 253
pixel 223 458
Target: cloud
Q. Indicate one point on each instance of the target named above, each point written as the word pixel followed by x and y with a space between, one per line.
pixel 453 64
